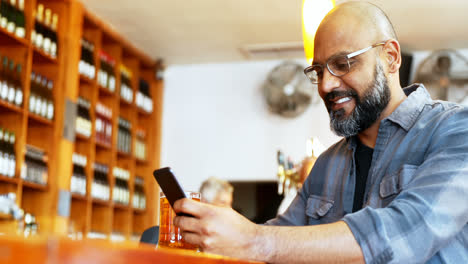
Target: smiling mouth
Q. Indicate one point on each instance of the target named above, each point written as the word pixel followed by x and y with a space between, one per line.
pixel 343 100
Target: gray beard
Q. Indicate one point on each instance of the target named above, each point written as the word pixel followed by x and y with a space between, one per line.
pixel 367 110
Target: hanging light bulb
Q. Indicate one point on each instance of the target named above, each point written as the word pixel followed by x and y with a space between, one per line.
pixel 313 11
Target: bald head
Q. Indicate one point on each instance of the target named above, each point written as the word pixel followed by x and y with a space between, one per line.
pixel 356 21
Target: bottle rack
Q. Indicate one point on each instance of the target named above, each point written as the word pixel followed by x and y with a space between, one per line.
pixel 87 214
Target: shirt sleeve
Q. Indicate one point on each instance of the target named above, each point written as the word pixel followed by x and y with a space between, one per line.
pixel 432 208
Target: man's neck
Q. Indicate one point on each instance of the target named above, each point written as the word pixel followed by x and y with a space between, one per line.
pixel 368 137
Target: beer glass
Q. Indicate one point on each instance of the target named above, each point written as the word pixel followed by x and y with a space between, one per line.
pixel 170 235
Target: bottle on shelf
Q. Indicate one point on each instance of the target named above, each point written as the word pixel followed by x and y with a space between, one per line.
pixel 44 35
pixel 83 119
pixel 121 193
pixel 124 136
pixel 11 83
pixel 34 168
pixel 126 92
pixel 11 90
pixel 11 16
pixel 7 153
pixel 86 66
pixel 53 36
pixel 20 29
pixel 33 94
pixel 140 144
pixel 37 36
pixel 18 86
pixel 10 149
pixel 5 79
pixel 50 100
pixel 143 98
pixel 47 24
pixel 103 124
pixel 106 73
pixel 41 99
pixel 139 198
pixel 78 179
pixel 100 187
pixel 4 13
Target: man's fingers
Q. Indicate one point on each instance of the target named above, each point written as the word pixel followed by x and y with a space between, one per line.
pixel 192 238
pixel 187 224
pixel 188 206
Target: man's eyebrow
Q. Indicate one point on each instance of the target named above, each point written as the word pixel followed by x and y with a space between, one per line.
pixel 341 53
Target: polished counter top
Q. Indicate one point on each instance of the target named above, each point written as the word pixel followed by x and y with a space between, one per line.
pixel 61 250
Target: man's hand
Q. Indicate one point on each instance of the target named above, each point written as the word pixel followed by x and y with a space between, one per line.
pixel 218 230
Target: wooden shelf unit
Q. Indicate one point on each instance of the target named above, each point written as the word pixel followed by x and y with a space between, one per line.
pixel 86 213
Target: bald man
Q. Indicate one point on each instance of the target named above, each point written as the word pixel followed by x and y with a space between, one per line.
pixel 393 190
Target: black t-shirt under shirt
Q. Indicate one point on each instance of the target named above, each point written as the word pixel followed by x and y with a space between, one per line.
pixel 363 160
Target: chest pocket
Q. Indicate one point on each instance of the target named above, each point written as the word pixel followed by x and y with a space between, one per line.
pixel 394 183
pixel 318 210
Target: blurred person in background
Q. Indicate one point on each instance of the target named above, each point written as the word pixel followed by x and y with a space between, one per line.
pixel 217 192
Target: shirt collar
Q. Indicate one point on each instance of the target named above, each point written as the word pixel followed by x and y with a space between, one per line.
pixel 408 111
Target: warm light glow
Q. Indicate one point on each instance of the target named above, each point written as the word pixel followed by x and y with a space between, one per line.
pixel 313 11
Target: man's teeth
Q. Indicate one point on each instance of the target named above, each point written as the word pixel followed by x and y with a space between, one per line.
pixel 342 100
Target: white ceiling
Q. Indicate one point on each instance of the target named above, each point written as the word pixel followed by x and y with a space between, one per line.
pixel 204 31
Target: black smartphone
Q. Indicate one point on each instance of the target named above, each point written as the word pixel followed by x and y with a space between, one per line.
pixel 170 186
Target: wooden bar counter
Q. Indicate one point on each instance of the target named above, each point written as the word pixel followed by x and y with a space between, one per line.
pixel 60 250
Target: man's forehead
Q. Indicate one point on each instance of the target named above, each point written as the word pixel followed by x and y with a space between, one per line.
pixel 334 39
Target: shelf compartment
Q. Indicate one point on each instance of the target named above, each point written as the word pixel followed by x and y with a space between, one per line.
pixel 103 145
pixel 79 197
pixel 120 206
pixel 10 107
pixel 124 154
pixel 40 119
pixel 81 137
pixel 4 179
pixel 103 91
pixel 10 38
pixel 42 57
pixel 79 216
pixel 141 161
pixel 35 186
pixel 100 202
pixel 86 80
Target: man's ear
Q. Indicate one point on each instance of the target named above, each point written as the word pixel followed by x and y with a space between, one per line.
pixel 392 55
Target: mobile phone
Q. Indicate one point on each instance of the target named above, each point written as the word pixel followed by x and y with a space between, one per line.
pixel 170 186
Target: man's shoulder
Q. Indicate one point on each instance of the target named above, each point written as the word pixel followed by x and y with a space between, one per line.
pixel 340 147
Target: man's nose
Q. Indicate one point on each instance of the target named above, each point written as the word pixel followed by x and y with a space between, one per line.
pixel 329 82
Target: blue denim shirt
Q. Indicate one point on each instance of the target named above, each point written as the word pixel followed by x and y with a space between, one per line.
pixel 416 200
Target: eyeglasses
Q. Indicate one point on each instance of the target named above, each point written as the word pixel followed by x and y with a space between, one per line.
pixel 336 65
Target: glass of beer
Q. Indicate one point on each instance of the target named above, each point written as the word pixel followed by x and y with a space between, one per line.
pixel 170 235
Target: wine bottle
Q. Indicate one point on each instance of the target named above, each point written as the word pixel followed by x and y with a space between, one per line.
pixel 6 155
pixel 43 94
pixel 38 28
pixel 11 83
pixel 19 86
pixel 12 155
pixel 4 79
pixel 2 149
pixel 50 101
pixel 20 20
pixel 11 17
pixel 39 93
pixel 47 24
pixel 53 36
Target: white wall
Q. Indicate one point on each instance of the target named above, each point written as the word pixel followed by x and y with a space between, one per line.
pixel 215 123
